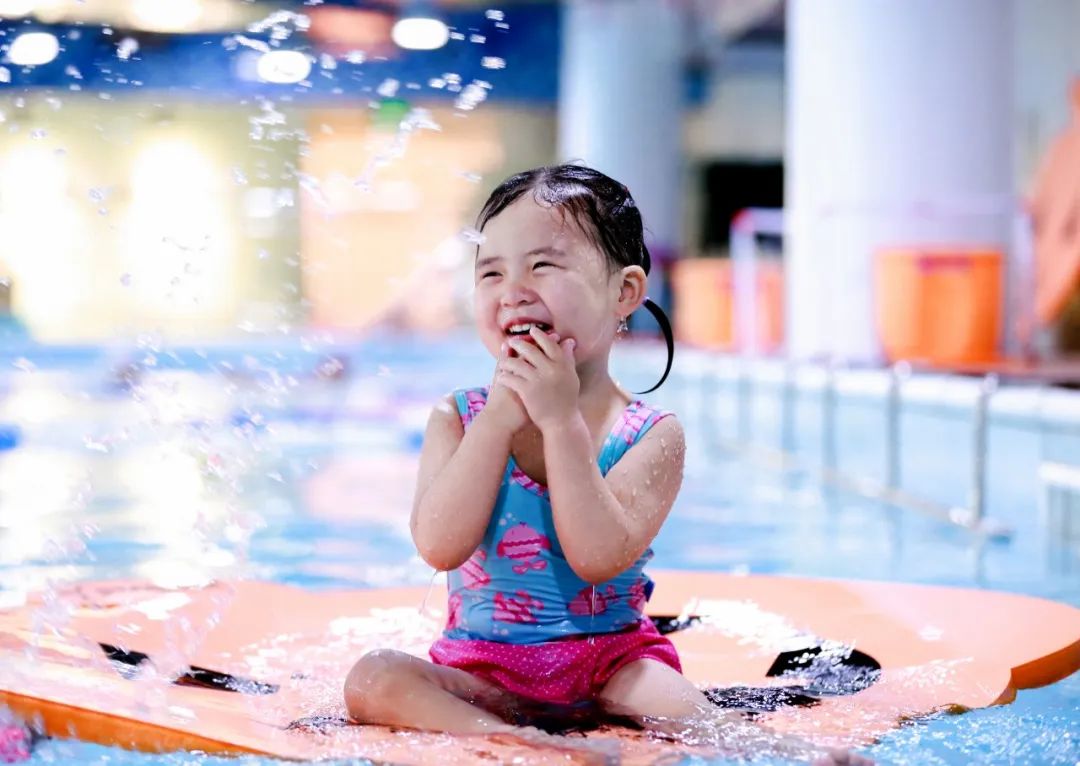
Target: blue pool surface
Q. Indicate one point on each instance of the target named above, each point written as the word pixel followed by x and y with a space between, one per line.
pixel 293 461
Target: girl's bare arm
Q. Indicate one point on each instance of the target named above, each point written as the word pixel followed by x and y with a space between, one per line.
pixel 605 523
pixel 458 483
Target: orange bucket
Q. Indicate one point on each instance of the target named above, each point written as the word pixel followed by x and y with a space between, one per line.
pixel 940 305
pixel 704 307
pixel 704 291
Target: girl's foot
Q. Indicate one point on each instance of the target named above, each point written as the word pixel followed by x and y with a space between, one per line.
pixel 579 751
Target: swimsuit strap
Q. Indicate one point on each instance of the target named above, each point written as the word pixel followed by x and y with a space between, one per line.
pixel 469 403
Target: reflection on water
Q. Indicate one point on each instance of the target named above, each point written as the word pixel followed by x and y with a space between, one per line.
pixel 254 464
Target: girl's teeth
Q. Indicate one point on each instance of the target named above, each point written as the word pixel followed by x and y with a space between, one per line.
pixel 524 328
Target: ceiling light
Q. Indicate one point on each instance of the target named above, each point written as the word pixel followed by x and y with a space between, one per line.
pixel 420 33
pixel 33 49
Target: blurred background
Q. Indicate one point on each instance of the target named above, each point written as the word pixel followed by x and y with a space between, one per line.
pixel 236 243
pixel 210 168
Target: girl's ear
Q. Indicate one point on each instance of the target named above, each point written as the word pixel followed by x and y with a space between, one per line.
pixel 631 289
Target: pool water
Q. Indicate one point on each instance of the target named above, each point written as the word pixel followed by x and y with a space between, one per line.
pixel 293 461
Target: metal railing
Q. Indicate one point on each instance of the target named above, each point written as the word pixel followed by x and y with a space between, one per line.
pixel 786 457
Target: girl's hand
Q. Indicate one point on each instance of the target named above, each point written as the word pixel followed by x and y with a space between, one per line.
pixel 544 377
pixel 503 404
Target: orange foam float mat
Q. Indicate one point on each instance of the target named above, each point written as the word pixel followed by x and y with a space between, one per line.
pixel 258 666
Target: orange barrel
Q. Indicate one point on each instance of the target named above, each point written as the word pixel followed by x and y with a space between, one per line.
pixel 704 308
pixel 940 305
pixel 704 293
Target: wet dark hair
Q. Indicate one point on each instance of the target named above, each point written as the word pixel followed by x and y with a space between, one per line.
pixel 604 210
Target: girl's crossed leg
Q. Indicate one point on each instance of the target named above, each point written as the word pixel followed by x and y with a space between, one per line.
pixel 663 700
pixel 392 688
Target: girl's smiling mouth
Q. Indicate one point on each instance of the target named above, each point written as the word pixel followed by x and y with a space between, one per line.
pixel 521 328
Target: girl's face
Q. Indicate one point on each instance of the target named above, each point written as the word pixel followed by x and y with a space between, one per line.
pixel 537 266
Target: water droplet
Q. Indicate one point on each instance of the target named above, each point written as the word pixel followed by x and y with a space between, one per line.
pixel 472 236
pixel 38 133
pixel 457 36
pixel 495 15
pixel 97 445
pixel 125 279
pixel 262 255
pixel 493 62
pixel 251 42
pixel 475 38
pixel 239 177
pixel 388 88
pixel 24 364
pixel 279 20
pixel 5 74
pixel 326 61
pixel 472 96
pixel 285 198
pixel 356 57
pixel 126 47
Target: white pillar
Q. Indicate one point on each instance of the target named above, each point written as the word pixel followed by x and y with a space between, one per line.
pixel 899 132
pixel 620 105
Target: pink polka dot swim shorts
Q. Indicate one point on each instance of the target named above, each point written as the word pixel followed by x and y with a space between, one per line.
pixel 566 671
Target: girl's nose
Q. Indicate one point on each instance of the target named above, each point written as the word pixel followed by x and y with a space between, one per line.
pixel 516 293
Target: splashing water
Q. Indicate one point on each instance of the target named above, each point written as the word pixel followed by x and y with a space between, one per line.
pixel 474 94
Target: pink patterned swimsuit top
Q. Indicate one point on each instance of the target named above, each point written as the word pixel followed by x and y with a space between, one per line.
pixel 517 587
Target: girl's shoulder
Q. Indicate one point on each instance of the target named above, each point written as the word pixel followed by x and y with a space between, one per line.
pixel 639 417
pixel 637 420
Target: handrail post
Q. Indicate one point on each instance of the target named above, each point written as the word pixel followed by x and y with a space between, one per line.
pixel 898 373
pixel 787 411
pixel 828 420
pixel 980 433
pixel 743 397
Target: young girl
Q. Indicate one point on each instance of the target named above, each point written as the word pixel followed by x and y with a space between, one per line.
pixel 541 494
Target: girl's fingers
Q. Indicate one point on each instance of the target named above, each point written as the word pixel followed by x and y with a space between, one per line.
pixel 517 367
pixel 527 351
pixel 512 382
pixel 549 344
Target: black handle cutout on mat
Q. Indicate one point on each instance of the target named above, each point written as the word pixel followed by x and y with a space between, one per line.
pixel 126 661
pixel 669 623
pixel 824 670
pixel 830 670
